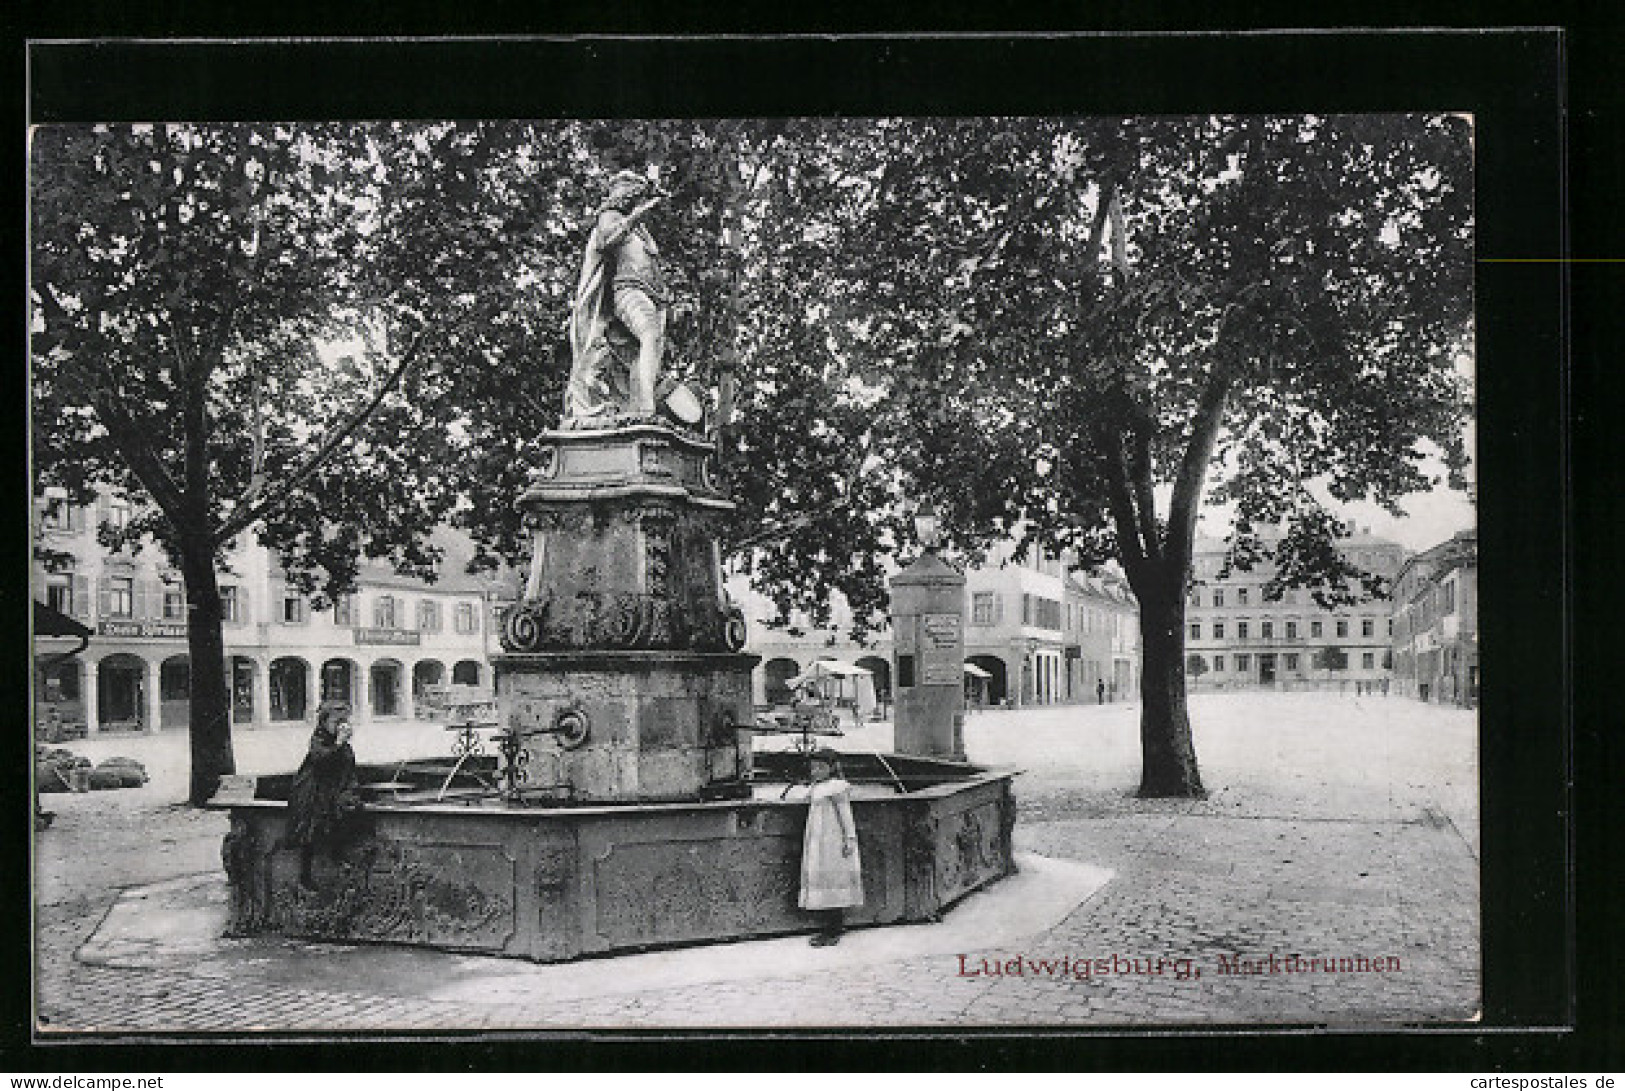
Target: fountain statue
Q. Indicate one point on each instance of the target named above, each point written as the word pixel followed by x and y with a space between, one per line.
pixel 625 806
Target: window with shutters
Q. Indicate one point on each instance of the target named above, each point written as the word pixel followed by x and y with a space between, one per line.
pixel 344 611
pixel 120 596
pixel 982 608
pixel 118 512
pixel 429 616
pixel 231 607
pixel 383 612
pixel 59 592
pixel 467 620
pixel 61 516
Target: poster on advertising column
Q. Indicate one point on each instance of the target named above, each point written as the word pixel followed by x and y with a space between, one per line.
pixel 941 650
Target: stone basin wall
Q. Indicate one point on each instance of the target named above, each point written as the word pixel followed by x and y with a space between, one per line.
pixel 559 883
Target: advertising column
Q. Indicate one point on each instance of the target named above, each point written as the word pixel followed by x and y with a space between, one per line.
pixel 928 613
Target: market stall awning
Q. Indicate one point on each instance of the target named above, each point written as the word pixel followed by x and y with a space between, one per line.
pixel 49 621
pixel 976 672
pixel 829 668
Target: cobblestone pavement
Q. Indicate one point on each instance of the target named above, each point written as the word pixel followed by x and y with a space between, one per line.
pixel 1336 828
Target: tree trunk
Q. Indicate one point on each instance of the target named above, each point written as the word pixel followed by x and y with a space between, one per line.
pixel 1168 757
pixel 210 727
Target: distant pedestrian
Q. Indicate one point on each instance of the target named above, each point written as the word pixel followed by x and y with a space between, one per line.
pixel 831 870
pixel 325 791
pixel 1100 691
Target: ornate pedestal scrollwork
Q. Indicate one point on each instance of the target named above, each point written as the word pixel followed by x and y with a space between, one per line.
pixel 523 629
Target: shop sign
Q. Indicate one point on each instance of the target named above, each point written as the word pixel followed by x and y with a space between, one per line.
pixel 167 630
pixel 385 636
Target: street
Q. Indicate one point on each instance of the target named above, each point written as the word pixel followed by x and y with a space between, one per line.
pixel 1331 878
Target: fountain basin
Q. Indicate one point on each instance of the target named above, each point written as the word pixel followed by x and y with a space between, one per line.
pixel 552 883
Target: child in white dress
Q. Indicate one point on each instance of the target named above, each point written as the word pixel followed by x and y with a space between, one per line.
pixel 831 870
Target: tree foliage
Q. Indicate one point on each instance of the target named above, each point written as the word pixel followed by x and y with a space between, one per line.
pixel 1077 330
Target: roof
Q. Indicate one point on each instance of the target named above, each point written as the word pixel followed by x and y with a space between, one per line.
pixel 457 549
pixel 1360 539
pixel 1438 561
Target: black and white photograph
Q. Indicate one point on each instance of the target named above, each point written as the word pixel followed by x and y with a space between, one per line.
pixel 757 572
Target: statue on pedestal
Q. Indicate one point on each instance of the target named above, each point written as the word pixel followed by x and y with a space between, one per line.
pixel 618 321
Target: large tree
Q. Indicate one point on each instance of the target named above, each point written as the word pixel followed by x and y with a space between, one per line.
pixel 1086 327
pixel 184 280
pixel 1049 326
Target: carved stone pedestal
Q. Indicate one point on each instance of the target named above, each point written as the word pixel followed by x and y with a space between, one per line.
pixel 616 726
pixel 624 664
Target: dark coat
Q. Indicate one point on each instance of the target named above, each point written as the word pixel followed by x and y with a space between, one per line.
pixel 325 790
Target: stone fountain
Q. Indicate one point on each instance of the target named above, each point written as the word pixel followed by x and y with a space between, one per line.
pixel 627 810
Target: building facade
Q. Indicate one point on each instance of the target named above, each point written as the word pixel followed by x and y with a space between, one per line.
pixel 1235 639
pixel 386 650
pixel 1435 641
pixel 1037 633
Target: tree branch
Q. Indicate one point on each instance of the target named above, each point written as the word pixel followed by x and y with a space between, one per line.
pixel 143 462
pixel 1119 242
pixel 1141 476
pixel 1097 230
pixel 1187 496
pixel 242 519
pixel 1120 499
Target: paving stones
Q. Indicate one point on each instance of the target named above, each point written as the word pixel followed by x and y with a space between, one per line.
pixel 1336 828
